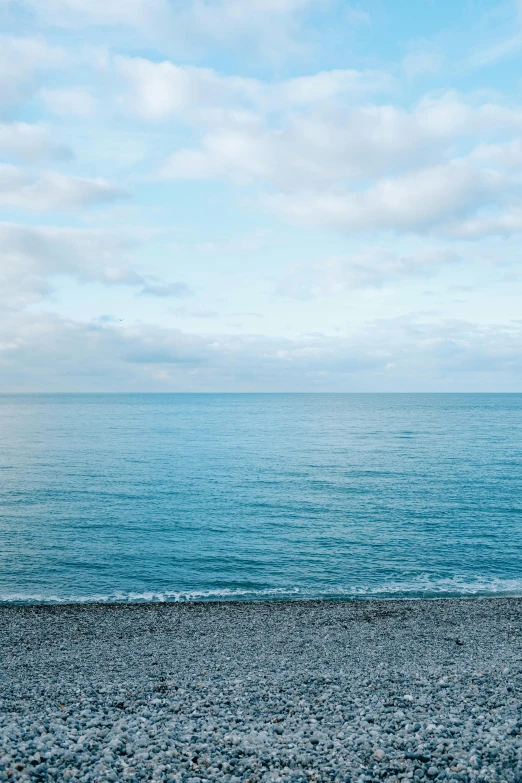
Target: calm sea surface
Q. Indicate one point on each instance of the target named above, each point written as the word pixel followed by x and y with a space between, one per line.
pixel 179 496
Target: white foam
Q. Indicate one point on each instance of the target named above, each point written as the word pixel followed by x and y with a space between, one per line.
pixel 424 586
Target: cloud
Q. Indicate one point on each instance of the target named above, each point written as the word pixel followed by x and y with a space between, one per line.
pixel 370 269
pixel 77 13
pixel 413 202
pixel 215 17
pixel 21 61
pixel 327 85
pixel 30 256
pixel 324 146
pixel 184 313
pixel 331 162
pixel 30 143
pixel 270 26
pixel 247 243
pixel 49 190
pixel 163 289
pixel 273 27
pixel 502 49
pixel 75 101
pixel 41 352
pixel 507 155
pixel 501 223
pixel 422 58
pixel 231 16
pixel 159 90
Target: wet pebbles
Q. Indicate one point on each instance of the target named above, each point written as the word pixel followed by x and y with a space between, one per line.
pixel 290 691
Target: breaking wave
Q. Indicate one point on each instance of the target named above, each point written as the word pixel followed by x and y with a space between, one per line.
pixel 421 587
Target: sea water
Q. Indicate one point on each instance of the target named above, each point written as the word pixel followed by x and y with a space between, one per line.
pixel 123 497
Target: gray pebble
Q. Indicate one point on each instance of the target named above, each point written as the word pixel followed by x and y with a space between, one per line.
pixel 278 692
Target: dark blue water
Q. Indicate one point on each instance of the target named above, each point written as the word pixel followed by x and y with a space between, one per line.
pixel 154 497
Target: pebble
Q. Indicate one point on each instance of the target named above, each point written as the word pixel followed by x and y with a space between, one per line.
pixel 283 692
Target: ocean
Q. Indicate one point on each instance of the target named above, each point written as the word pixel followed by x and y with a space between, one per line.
pixel 164 497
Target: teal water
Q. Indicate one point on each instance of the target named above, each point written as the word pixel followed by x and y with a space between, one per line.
pixel 179 497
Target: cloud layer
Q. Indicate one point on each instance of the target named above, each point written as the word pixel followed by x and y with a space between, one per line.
pixel 49 354
pixel 323 200
pixel 50 190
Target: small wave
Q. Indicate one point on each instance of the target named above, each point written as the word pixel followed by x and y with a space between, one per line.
pixel 420 587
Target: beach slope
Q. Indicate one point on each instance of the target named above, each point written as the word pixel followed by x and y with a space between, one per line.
pixel 280 691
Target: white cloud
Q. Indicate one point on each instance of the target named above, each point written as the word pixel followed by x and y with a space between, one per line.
pixel 368 171
pixel 32 256
pixel 415 201
pixel 327 85
pixel 42 352
pixel 239 155
pixel 184 313
pixel 502 49
pixel 372 268
pixel 159 288
pixel 449 115
pixel 215 17
pixel 271 26
pixel 392 156
pixel 247 243
pixel 159 90
pixel 324 147
pixel 507 155
pixel 242 12
pixel 75 101
pixel 501 223
pixel 333 163
pixel 49 190
pixel 422 57
pixel 21 61
pixel 136 13
pixel 30 143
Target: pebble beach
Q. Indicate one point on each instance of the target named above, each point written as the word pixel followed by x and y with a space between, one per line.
pixel 278 691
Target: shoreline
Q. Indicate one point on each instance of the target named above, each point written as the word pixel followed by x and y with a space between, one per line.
pixel 30 603
pixel 286 690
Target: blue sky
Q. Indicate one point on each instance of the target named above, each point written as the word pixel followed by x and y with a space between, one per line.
pixel 273 195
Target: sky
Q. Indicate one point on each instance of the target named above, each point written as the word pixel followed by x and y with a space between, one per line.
pixel 260 195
